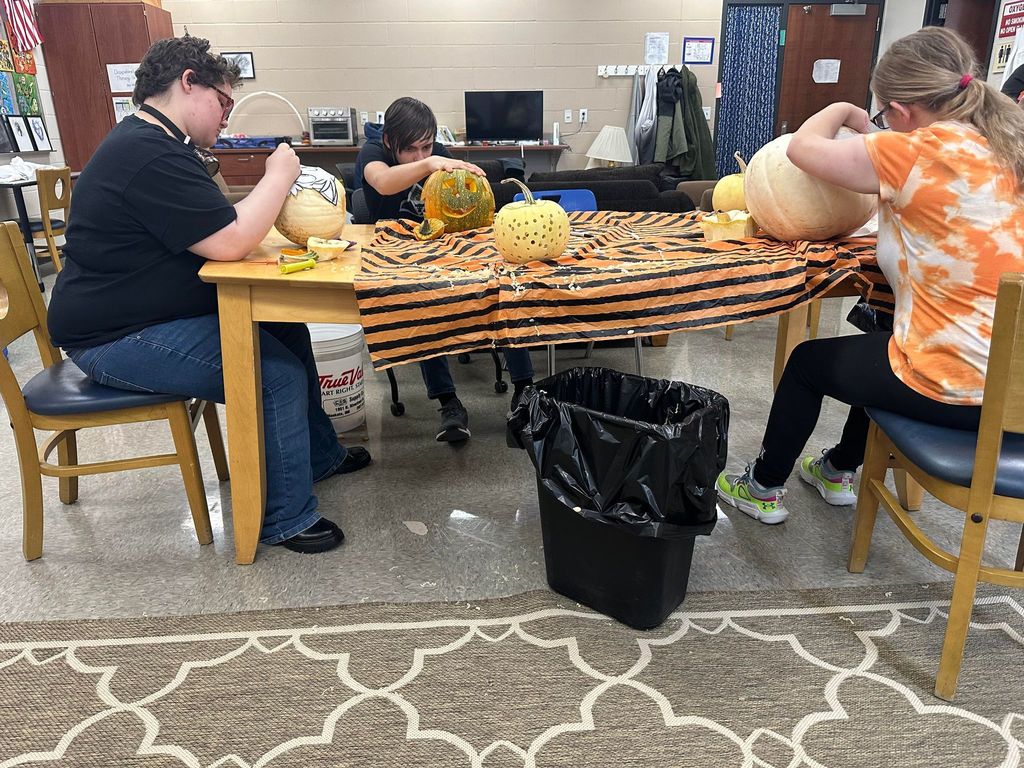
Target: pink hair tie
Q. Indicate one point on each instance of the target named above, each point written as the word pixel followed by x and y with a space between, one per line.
pixel 965 80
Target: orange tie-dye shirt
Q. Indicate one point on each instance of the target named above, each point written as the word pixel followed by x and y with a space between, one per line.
pixel 950 224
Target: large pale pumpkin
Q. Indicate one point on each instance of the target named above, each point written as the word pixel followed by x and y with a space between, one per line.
pixel 315 207
pixel 728 194
pixel 459 198
pixel 789 204
pixel 530 230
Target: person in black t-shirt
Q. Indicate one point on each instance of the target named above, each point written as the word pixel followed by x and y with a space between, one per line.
pixel 129 308
pixel 1014 85
pixel 390 168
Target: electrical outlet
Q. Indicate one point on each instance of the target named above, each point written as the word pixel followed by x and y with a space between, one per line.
pixel 707 112
pixel 380 117
pixel 583 116
pixel 364 117
pixel 567 117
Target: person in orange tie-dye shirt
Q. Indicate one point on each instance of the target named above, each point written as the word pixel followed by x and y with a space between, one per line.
pixel 950 181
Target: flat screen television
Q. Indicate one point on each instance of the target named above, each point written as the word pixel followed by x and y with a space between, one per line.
pixel 504 115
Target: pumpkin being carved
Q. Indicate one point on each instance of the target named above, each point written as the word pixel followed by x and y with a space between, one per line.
pixel 530 230
pixel 315 207
pixel 789 204
pixel 459 198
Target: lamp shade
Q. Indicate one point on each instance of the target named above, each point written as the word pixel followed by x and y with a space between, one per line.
pixel 611 144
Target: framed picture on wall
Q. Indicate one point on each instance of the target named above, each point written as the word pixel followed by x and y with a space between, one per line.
pixel 6 142
pixel 244 61
pixel 19 130
pixel 37 127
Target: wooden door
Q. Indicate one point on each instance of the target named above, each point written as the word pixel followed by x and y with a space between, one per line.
pixel 815 41
pixel 973 20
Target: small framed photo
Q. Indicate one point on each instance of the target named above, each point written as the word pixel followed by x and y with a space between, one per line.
pixel 6 141
pixel 19 130
pixel 244 61
pixel 37 128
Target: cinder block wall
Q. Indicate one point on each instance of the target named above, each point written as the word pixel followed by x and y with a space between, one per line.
pixel 365 54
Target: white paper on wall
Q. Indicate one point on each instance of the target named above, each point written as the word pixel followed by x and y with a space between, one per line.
pixel 826 71
pixel 121 77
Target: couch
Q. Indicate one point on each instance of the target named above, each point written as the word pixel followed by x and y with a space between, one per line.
pixel 629 188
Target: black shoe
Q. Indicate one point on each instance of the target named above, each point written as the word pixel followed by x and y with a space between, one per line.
pixel 511 438
pixel 357 458
pixel 454 423
pixel 321 536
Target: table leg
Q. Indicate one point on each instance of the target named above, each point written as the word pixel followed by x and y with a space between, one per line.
pixel 26 232
pixel 239 339
pixel 792 330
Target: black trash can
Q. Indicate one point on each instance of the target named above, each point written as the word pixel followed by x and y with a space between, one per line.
pixel 626 470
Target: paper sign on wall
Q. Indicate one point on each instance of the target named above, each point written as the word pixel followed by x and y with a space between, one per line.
pixel 698 50
pixel 122 107
pixel 656 48
pixel 121 77
pixel 826 71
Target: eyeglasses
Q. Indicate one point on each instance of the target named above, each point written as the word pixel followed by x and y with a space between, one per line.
pixel 878 119
pixel 226 102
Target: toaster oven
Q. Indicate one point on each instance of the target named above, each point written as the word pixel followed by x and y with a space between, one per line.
pixel 333 126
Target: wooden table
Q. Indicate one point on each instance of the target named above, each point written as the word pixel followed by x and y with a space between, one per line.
pixel 249 292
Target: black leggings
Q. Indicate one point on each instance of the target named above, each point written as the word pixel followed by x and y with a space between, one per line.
pixel 854 370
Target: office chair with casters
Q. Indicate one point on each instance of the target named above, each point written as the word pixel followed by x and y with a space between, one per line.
pixel 569 199
pixel 63 400
pixel 979 473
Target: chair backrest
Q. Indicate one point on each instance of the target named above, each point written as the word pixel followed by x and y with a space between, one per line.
pixel 21 310
pixel 54 190
pixel 569 199
pixel 360 212
pixel 1002 409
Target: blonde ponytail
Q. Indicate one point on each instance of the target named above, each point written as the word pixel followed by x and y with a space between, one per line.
pixel 928 68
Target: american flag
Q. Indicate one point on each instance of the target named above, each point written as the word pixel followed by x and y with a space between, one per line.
pixel 22 25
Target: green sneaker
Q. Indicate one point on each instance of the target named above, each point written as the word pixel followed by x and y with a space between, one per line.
pixel 836 489
pixel 765 506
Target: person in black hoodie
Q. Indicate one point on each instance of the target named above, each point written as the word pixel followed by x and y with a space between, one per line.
pixel 390 168
pixel 1014 85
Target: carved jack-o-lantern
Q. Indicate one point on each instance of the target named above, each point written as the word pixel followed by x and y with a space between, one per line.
pixel 315 207
pixel 461 199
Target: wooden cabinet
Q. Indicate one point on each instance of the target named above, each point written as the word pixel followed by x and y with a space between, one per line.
pixel 242 166
pixel 81 39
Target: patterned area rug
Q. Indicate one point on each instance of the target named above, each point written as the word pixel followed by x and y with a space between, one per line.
pixel 820 678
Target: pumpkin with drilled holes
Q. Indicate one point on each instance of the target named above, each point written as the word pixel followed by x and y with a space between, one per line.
pixel 530 230
pixel 789 204
pixel 728 194
pixel 459 198
pixel 315 207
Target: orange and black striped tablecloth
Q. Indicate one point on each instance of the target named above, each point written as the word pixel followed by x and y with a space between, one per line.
pixel 622 274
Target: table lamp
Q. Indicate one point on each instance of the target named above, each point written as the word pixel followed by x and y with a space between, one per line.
pixel 609 148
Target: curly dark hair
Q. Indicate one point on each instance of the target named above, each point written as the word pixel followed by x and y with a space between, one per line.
pixel 167 59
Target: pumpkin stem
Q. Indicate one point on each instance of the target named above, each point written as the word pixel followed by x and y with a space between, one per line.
pixel 527 194
pixel 741 162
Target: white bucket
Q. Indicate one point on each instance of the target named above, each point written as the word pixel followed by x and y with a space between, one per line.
pixel 338 351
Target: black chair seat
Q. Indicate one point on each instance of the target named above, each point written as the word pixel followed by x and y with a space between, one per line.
pixel 63 389
pixel 36 225
pixel 948 454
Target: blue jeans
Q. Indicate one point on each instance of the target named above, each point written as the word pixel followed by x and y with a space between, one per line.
pixel 438 377
pixel 182 357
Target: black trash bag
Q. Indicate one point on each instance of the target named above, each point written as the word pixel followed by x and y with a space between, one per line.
pixel 626 450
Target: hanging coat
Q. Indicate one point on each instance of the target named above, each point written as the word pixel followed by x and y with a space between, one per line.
pixel 701 148
pixel 636 101
pixel 670 143
pixel 646 122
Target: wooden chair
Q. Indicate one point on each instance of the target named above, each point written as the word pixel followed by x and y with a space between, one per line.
pixel 64 400
pixel 54 185
pixel 980 474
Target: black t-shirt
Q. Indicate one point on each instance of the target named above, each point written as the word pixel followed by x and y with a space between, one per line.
pixel 141 201
pixel 402 205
